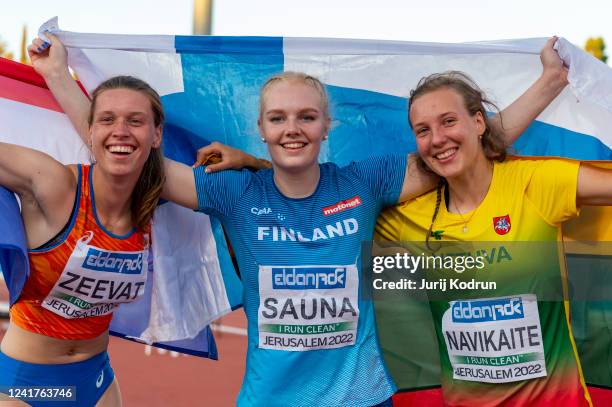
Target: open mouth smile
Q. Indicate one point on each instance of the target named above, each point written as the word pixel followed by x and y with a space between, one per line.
pixel 294 145
pixel 120 149
pixel 446 154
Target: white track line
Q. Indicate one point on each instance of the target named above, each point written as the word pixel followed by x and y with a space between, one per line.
pixel 225 329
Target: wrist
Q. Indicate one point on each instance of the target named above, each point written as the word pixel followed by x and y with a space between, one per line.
pixel 554 79
pixel 250 161
pixel 256 163
pixel 57 76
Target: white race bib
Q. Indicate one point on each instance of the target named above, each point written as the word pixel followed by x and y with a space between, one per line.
pixel 495 340
pixel 304 308
pixel 95 281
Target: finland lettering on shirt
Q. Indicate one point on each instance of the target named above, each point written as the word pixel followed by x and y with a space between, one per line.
pixel 340 228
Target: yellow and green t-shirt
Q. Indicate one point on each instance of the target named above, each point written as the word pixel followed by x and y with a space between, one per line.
pixel 512 345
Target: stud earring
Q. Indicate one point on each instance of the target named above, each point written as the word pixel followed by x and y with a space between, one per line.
pixel 263 139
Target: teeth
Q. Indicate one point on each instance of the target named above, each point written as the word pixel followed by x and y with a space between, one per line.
pixel 294 145
pixel 446 154
pixel 121 149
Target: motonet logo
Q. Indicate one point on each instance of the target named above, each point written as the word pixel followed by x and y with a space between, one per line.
pixel 289 278
pixel 124 263
pixel 488 310
pixel 342 205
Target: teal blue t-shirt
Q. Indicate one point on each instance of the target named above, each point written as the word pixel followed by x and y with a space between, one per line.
pixel 311 338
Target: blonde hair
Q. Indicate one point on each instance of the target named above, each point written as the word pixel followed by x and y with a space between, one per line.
pixel 149 186
pixel 295 77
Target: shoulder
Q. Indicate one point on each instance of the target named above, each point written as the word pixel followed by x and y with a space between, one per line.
pixel 524 169
pixel 419 204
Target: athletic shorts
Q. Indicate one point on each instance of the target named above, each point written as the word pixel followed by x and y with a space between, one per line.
pixel 87 379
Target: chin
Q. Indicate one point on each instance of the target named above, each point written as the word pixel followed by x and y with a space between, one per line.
pixel 295 165
pixel 448 170
pixel 121 169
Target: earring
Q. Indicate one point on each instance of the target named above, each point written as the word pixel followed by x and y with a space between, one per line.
pixel 325 137
pixel 263 139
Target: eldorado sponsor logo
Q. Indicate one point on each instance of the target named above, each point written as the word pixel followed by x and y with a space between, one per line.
pixel 342 205
pixel 288 278
pixel 488 310
pixel 124 263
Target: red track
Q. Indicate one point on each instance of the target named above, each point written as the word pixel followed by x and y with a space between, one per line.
pixel 168 379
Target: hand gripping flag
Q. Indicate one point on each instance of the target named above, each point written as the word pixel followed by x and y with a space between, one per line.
pixel 210 86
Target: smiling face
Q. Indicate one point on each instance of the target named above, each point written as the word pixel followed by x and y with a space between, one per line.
pixel 447 135
pixel 293 122
pixel 123 131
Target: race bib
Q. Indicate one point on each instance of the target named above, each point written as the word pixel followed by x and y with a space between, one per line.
pixel 495 340
pixel 95 281
pixel 305 308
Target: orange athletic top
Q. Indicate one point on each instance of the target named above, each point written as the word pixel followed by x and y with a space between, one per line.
pixel 75 285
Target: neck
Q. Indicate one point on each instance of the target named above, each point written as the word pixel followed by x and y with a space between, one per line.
pixel 113 198
pixel 300 184
pixel 468 190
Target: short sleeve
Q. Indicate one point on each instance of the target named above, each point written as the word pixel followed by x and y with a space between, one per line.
pixel 384 175
pixel 389 225
pixel 552 189
pixel 219 192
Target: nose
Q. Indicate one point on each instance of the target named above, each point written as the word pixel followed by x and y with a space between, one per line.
pixel 292 126
pixel 438 137
pixel 120 127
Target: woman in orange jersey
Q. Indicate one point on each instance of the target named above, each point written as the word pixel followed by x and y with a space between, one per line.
pixel 510 342
pixel 87 230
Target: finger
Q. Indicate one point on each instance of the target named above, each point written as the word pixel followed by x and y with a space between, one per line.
pixel 38 46
pixel 37 42
pixel 206 155
pixel 32 50
pixel 52 38
pixel 217 167
pixel 214 158
pixel 200 157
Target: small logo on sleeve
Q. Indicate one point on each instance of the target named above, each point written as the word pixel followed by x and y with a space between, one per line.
pixel 342 206
pixel 502 224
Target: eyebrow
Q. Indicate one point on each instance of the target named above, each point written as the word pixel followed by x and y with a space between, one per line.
pixel 306 110
pixel 114 113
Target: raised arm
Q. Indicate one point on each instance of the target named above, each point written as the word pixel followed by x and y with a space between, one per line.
pixel 45 187
pixel 51 62
pixel 416 180
pixel 519 115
